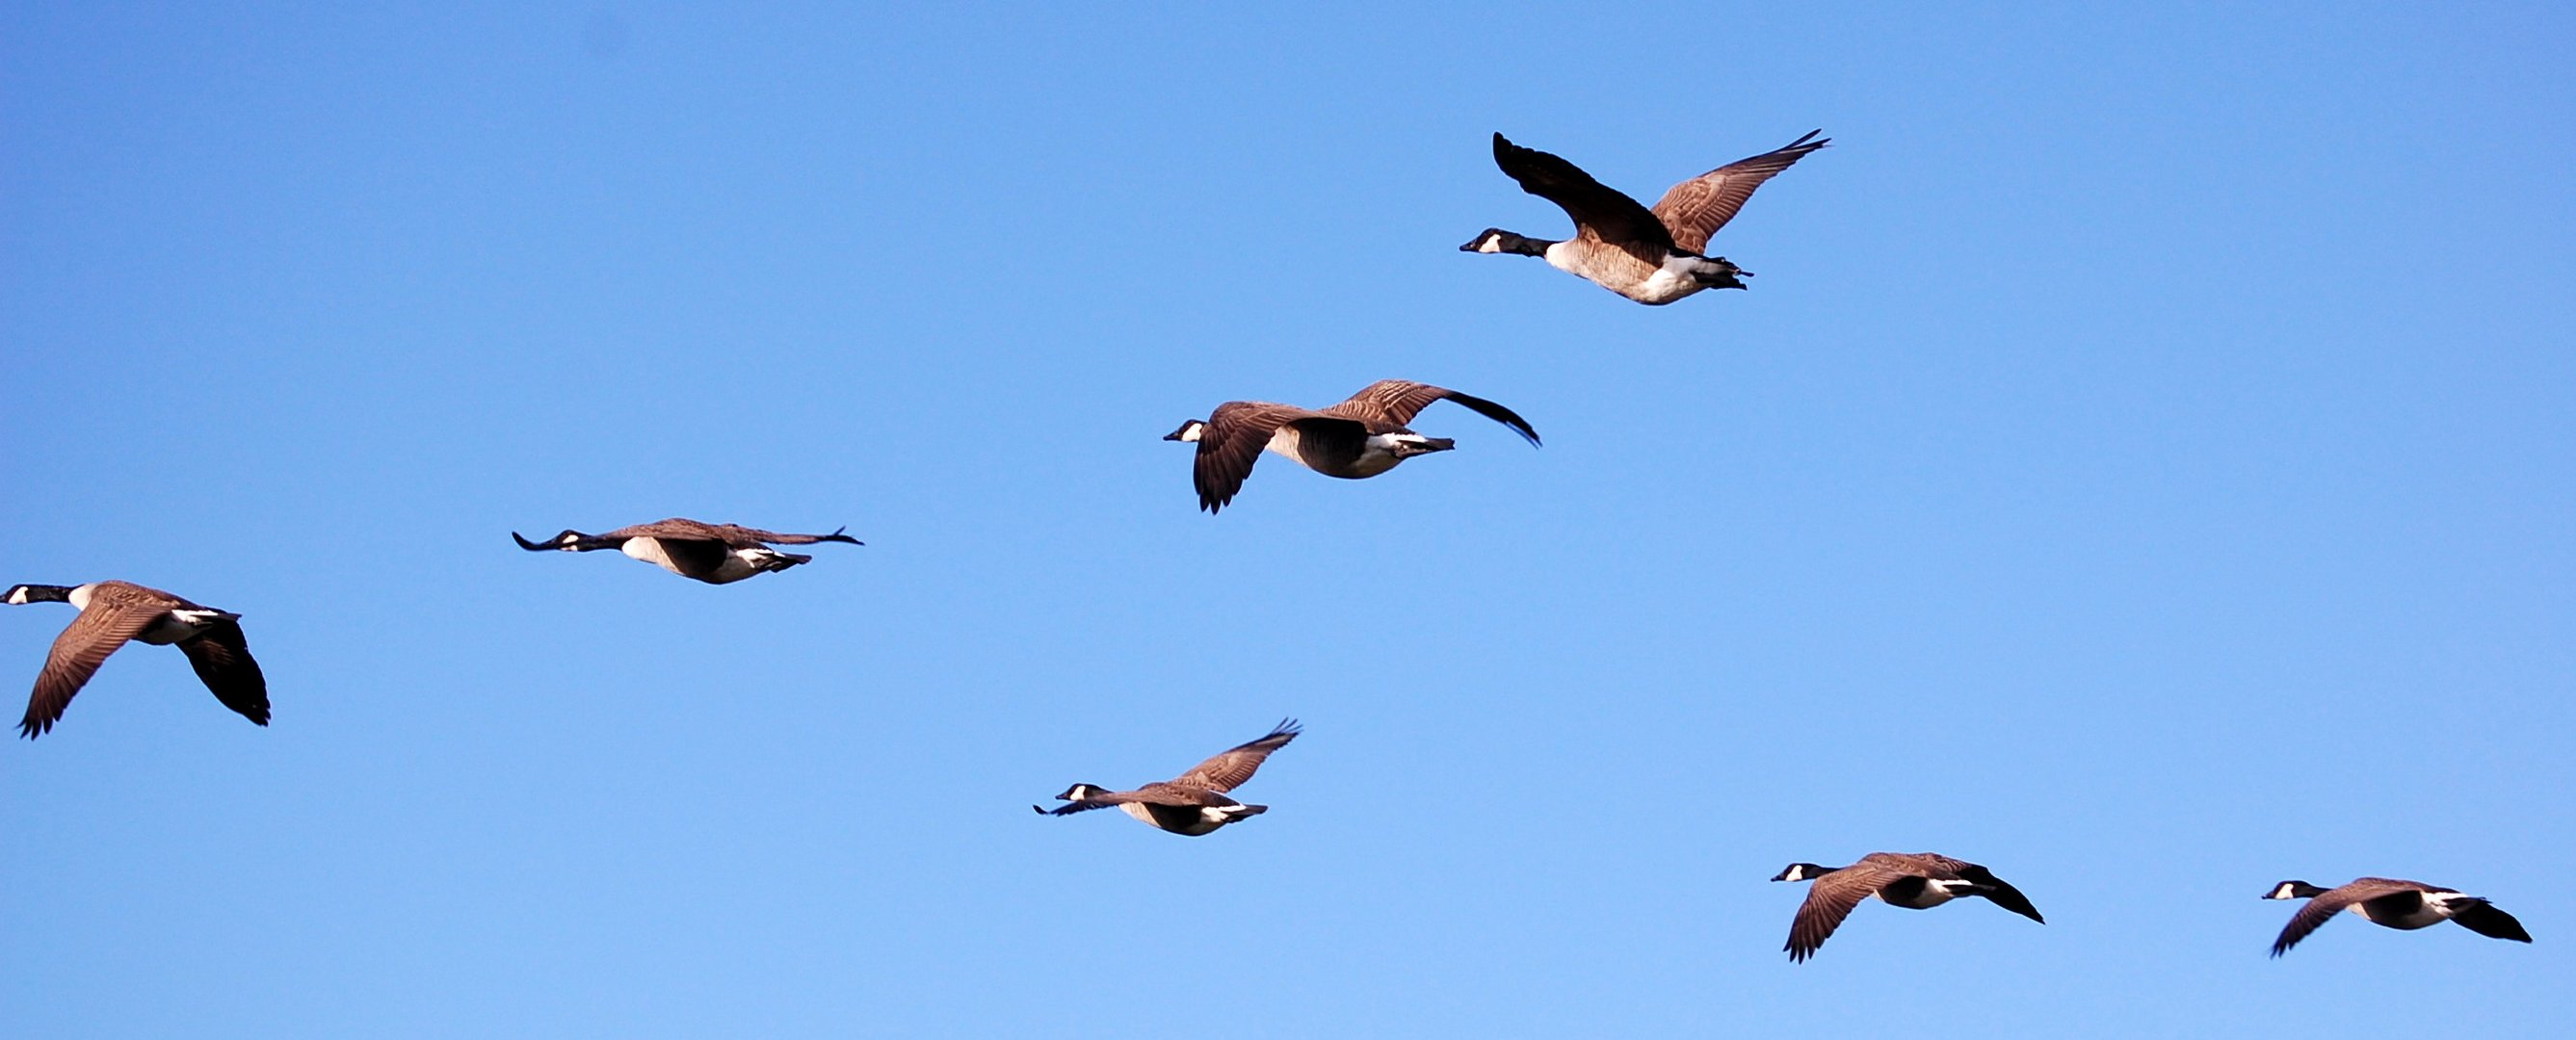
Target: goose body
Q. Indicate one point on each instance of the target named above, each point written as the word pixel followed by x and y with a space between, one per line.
pixel 2390 903
pixel 1194 803
pixel 717 554
pixel 1651 256
pixel 1914 881
pixel 1359 438
pixel 113 613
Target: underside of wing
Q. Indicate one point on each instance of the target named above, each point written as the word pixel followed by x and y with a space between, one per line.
pixel 223 662
pixel 78 651
pixel 1233 439
pixel 1829 900
pixel 2322 909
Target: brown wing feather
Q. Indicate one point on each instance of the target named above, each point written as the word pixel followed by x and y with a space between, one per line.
pixel 1694 209
pixel 1231 442
pixel 1600 212
pixel 746 537
pixel 113 618
pixel 1393 403
pixel 1830 899
pixel 223 662
pixel 1229 770
pixel 675 527
pixel 2326 904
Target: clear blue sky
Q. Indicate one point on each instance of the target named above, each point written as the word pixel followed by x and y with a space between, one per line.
pixel 2142 466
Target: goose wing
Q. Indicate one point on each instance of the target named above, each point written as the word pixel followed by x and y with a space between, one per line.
pixel 746 537
pixel 680 528
pixel 1830 899
pixel 1229 769
pixel 2323 908
pixel 117 612
pixel 1694 209
pixel 223 662
pixel 1394 402
pixel 1237 432
pixel 1601 213
pixel 2483 918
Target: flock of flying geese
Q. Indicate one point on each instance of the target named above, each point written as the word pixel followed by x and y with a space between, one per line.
pixel 1652 256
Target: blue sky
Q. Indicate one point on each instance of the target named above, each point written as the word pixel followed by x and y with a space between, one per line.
pixel 2141 466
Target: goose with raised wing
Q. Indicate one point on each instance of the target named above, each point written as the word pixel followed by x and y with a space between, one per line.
pixel 1913 880
pixel 1358 438
pixel 712 553
pixel 2391 903
pixel 113 613
pixel 1194 803
pixel 1651 256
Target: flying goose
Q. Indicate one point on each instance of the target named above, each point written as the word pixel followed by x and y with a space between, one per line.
pixel 712 553
pixel 1194 803
pixel 1360 437
pixel 2405 905
pixel 1650 256
pixel 1915 881
pixel 112 612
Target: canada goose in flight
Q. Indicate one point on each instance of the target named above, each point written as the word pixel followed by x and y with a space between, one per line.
pixel 712 553
pixel 112 612
pixel 1194 803
pixel 1360 437
pixel 1650 256
pixel 2405 905
pixel 1915 881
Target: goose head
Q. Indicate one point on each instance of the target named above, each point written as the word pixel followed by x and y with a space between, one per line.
pixel 1497 240
pixel 21 595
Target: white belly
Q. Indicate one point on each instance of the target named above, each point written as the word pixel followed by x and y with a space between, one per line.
pixel 737 565
pixel 1283 443
pixel 650 551
pixel 1669 282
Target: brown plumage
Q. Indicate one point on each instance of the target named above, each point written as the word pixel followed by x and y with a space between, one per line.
pixel 1360 437
pixel 1620 244
pixel 713 553
pixel 2392 903
pixel 1193 803
pixel 1915 881
pixel 117 612
pixel 1694 209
